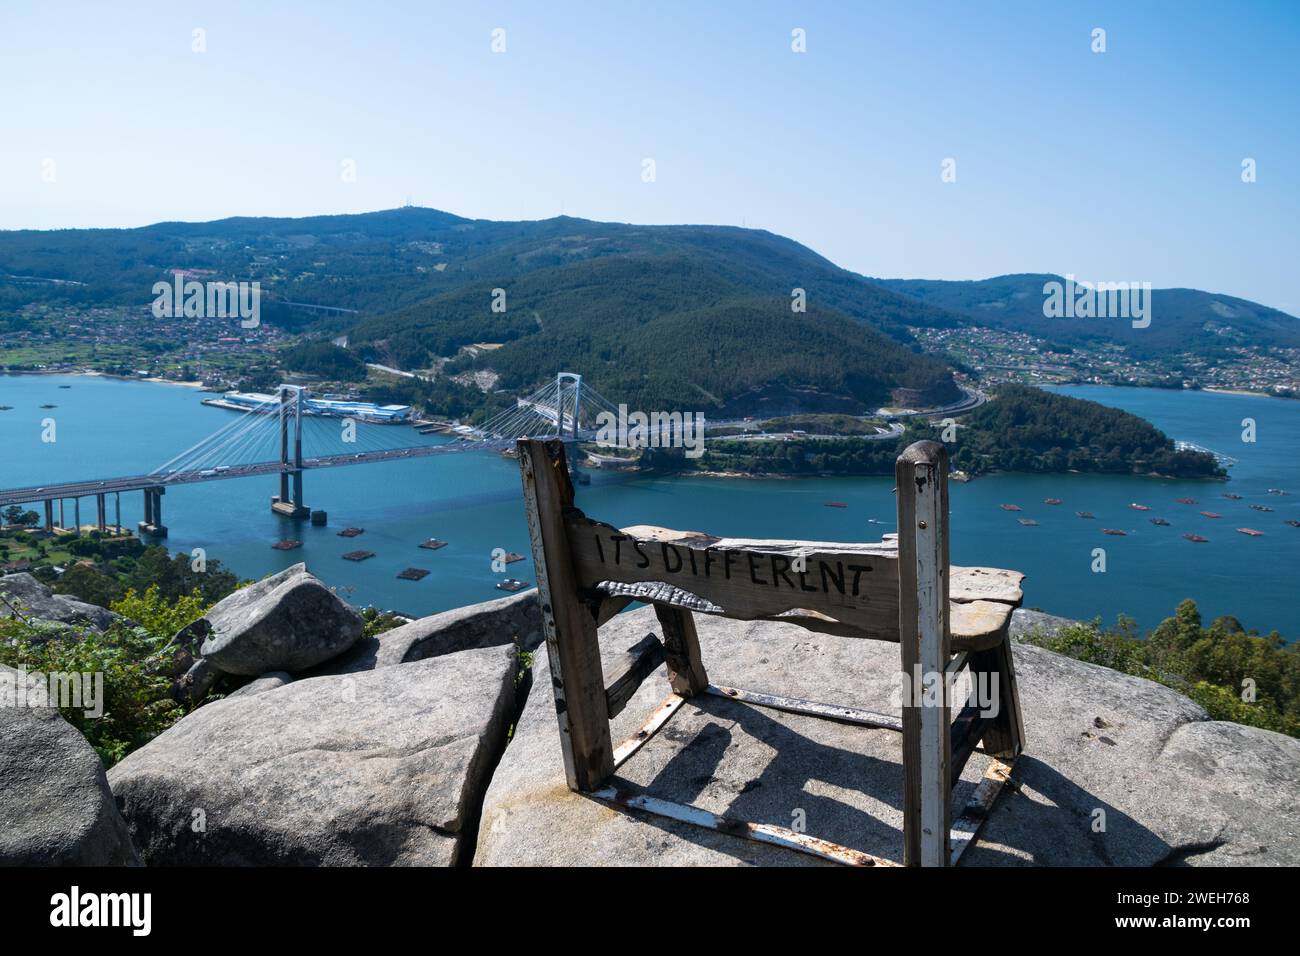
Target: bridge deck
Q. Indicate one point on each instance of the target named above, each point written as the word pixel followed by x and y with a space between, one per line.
pixel 82 489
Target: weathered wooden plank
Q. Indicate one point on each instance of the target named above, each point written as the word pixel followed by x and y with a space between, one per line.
pixel 682 651
pixel 607 607
pixel 924 630
pixel 571 644
pixel 965 583
pixel 967 826
pixel 976 625
pixel 967 730
pixel 854 585
pixel 1005 736
pixel 638 663
pixel 652 532
pixel 985 584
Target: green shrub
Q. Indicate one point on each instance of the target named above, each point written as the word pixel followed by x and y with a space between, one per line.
pixel 156 616
pixel 377 622
pixel 1223 704
pixel 131 655
pixel 137 703
pixel 1213 666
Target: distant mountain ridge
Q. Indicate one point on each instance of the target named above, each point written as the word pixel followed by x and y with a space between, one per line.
pixel 1183 319
pixel 660 314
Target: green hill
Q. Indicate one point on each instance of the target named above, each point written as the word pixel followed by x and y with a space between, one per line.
pixel 659 332
pixel 1027 429
pixel 657 315
pixel 1023 429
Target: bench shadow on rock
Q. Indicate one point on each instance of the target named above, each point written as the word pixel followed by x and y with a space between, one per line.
pixel 803 774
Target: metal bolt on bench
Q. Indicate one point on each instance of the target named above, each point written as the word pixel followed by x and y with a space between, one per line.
pixel 944 619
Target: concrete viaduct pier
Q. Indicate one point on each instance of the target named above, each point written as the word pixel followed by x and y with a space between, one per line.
pixel 153 523
pixel 50 522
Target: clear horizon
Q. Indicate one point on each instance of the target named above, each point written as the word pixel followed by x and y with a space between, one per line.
pixel 1117 166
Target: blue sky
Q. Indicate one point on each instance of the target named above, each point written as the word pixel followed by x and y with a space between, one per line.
pixel 1123 165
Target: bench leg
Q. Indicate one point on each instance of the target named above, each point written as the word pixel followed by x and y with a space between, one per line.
pixel 924 638
pixel 1005 735
pixel 572 649
pixel 682 651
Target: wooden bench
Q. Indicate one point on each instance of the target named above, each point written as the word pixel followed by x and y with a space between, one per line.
pixel 945 619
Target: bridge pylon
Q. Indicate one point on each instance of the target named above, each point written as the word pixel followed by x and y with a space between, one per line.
pixel 574 383
pixel 286 503
pixel 570 384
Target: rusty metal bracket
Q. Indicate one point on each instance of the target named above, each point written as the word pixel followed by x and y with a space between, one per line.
pixel 759 832
pixel 658 718
pixel 810 708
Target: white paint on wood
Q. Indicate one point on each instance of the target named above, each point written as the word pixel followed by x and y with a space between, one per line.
pixel 532 512
pixel 932 597
pixel 967 826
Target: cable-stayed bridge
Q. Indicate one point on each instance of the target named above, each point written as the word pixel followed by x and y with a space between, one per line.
pixel 276 437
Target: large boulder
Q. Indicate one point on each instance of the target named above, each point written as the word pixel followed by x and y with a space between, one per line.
pixel 287 622
pixel 55 805
pixel 1171 785
pixel 1027 621
pixel 21 595
pixel 386 767
pixel 271 681
pixel 513 620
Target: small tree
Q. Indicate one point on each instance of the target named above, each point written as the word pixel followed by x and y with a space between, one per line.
pixel 160 619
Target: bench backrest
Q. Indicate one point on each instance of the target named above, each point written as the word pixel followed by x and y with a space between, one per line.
pixel 844 588
pixel 856 585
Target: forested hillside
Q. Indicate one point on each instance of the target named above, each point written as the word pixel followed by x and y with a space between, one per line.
pixel 1028 429
pixel 657 314
pixel 1023 429
pixel 325 360
pixel 662 332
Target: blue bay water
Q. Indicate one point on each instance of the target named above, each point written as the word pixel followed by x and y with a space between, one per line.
pixel 108 427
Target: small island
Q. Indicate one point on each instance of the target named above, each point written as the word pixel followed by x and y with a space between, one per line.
pixel 1023 429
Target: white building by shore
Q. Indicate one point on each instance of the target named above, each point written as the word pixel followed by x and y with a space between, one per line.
pixel 324 407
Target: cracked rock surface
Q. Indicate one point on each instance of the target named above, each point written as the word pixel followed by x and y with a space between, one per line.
pixel 383 767
pixel 1117 770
